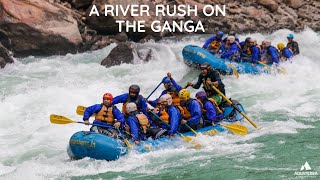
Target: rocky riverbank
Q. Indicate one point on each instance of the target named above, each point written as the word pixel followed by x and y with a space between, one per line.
pixel 49 27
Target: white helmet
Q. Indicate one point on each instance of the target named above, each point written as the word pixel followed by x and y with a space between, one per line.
pixel 268 42
pixel 232 39
pixel 167 98
pixel 130 107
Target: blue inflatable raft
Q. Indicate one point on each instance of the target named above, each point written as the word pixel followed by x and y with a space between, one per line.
pixel 98 146
pixel 194 55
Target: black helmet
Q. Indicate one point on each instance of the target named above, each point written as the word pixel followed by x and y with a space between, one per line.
pixel 205 66
pixel 134 88
pixel 248 39
pixel 232 33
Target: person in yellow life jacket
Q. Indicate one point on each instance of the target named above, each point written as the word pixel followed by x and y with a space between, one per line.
pixel 137 122
pixel 214 43
pixel 171 87
pixel 106 115
pixel 209 77
pixel 209 113
pixel 191 111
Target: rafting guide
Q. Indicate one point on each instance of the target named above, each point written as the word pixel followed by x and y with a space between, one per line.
pixel 160 11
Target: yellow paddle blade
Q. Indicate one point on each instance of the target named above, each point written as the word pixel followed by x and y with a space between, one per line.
pixel 127 143
pixel 80 111
pixel 190 140
pixel 235 72
pixel 236 128
pixel 57 119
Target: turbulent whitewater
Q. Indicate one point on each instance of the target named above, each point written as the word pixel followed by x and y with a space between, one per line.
pixel 285 106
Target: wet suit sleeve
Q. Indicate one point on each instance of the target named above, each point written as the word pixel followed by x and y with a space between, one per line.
pixel 176 85
pixel 119 116
pixel 199 82
pixel 210 111
pixel 174 120
pixel 120 99
pixel 195 111
pixel 287 53
pixel 134 127
pixel 91 110
pixel 216 76
pixel 273 53
pixel 208 41
pixel 255 54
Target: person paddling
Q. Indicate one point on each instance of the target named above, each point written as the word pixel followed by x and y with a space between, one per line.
pixel 106 115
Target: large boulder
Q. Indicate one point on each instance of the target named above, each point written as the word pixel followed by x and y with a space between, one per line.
pixel 122 53
pixel 5 56
pixel 37 27
pixel 271 5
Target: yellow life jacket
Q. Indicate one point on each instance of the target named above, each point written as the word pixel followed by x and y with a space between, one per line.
pixel 164 116
pixel 143 121
pixel 175 98
pixel 184 112
pixel 105 115
pixel 249 51
pixel 213 102
pixel 215 44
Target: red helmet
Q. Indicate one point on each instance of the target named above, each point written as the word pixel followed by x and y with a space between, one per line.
pixel 108 96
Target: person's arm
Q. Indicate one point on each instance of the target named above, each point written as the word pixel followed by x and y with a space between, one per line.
pixel 208 41
pixel 119 116
pixel 144 106
pixel 120 99
pixel 176 85
pixel 287 53
pixel 174 120
pixel 216 76
pixel 210 111
pixel 274 55
pixel 134 128
pixel 233 49
pixel 91 110
pixel 199 82
pixel 195 111
pixel 255 54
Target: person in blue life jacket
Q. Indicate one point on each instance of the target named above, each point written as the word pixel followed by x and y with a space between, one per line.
pixel 132 96
pixel 271 53
pixel 137 122
pixel 209 77
pixel 233 53
pixel 106 115
pixel 253 53
pixel 211 114
pixel 171 87
pixel 191 111
pixel 285 52
pixel 293 45
pixel 213 44
pixel 169 113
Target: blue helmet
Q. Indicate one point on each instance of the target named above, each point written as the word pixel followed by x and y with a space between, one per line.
pixel 201 95
pixel 290 36
pixel 220 33
pixel 166 80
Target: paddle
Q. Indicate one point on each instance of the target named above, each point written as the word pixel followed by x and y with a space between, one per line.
pixel 80 111
pixel 234 106
pixel 125 140
pixel 235 72
pixel 269 67
pixel 188 139
pixel 236 128
pixel 58 119
pixel 192 129
pixel 154 89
